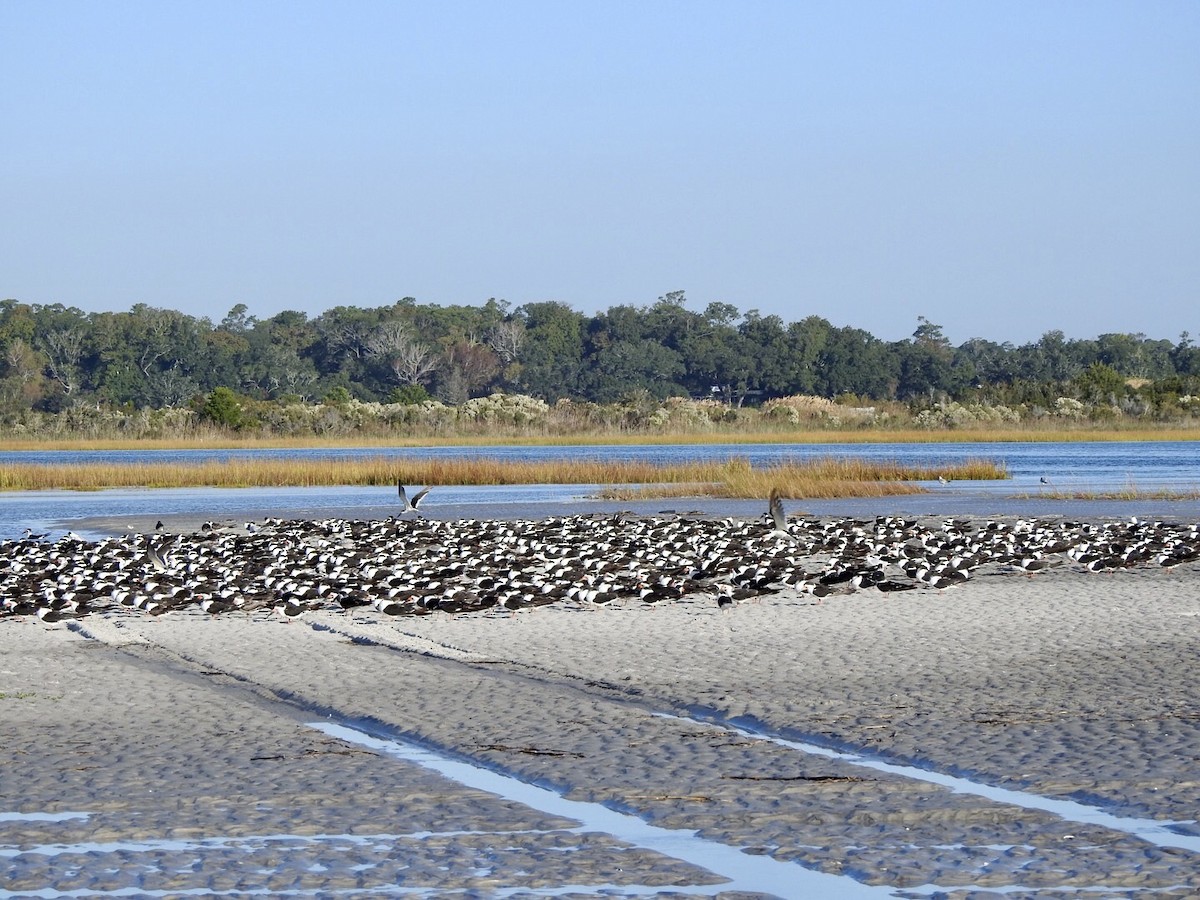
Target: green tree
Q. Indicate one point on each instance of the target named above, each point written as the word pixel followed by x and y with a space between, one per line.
pixel 768 351
pixel 552 356
pixel 1100 383
pixel 237 321
pixel 991 363
pixel 223 407
pixel 806 341
pixel 924 363
pixel 624 357
pixel 853 361
pixel 715 357
pixel 1185 356
pixel 279 355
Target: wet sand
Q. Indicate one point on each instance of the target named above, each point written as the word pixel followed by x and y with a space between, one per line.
pixel 182 745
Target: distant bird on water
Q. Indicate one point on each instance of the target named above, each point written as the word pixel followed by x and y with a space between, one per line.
pixel 1044 480
pixel 407 505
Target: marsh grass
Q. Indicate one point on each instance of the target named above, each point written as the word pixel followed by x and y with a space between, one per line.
pixel 825 478
pixel 735 477
pixel 1129 492
pixel 814 436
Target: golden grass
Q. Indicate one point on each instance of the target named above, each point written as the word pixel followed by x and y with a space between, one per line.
pixel 800 479
pixel 1031 433
pixel 826 478
pixel 1128 492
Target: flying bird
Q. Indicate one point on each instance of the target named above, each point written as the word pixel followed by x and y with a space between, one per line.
pixel 778 516
pixel 156 559
pixel 407 505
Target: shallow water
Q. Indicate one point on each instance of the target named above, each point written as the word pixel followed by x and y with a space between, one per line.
pixel 746 872
pixel 1150 830
pixel 1090 467
pixel 1076 465
pixel 42 817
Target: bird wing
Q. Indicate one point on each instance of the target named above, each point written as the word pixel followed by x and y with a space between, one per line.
pixel 419 496
pixel 403 496
pixel 778 516
pixel 156 559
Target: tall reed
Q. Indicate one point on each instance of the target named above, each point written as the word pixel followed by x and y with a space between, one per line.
pixel 825 478
pixel 735 475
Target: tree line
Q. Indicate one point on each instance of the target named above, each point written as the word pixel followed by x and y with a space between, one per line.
pixel 53 356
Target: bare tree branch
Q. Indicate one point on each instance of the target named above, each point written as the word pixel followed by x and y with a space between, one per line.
pixel 507 339
pixel 389 338
pixel 63 349
pixel 413 363
pixel 350 338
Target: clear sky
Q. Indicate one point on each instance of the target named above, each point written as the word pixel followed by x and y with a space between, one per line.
pixel 1001 168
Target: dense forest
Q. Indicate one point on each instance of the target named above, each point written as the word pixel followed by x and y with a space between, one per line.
pixel 55 358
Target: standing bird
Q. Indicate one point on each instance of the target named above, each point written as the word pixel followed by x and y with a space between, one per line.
pixel 289 606
pixel 724 596
pixel 410 505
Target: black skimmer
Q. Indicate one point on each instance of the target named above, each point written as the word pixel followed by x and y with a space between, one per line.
pixel 406 505
pixel 779 526
pixel 418 567
pixel 724 597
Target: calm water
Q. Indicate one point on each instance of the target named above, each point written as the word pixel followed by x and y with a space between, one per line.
pixel 1073 466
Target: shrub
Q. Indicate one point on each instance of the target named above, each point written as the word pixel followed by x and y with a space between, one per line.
pixel 409 395
pixel 338 396
pixel 223 407
pixel 1068 408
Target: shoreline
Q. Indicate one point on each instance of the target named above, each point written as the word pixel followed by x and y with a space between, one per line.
pixel 923 506
pixel 1068 685
pixel 1016 682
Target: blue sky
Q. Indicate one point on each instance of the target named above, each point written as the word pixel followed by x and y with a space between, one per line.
pixel 1003 169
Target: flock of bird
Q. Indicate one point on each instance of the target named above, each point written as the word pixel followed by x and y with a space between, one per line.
pixel 411 565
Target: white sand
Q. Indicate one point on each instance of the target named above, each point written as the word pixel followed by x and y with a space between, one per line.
pixel 182 727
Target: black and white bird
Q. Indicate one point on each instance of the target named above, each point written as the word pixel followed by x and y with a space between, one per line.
pixel 406 505
pixel 724 596
pixel 156 559
pixel 778 515
pixel 597 560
